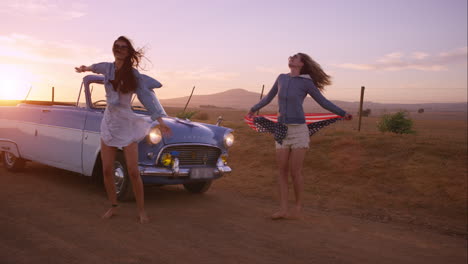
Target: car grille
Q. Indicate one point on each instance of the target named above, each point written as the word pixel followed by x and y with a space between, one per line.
pixel 194 155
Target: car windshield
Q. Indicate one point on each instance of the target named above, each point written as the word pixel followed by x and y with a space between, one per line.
pixel 98 98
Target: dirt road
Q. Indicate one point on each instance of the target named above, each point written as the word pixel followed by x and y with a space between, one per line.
pixel 53 216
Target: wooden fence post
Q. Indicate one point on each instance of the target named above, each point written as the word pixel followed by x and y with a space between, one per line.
pixel 360 107
pixel 261 95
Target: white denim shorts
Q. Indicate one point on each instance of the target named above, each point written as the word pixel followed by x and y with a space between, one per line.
pixel 297 137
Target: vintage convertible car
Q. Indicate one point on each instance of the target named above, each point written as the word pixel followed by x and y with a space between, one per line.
pixel 67 136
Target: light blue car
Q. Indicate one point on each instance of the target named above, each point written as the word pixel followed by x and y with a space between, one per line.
pixel 67 136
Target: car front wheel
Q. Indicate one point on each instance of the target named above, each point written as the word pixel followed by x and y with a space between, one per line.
pixel 197 187
pixel 11 162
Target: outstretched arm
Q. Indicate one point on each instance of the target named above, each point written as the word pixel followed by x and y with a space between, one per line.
pixel 267 99
pixel 82 68
pixel 99 68
pixel 323 102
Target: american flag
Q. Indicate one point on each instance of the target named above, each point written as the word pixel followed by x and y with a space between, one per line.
pixel 309 117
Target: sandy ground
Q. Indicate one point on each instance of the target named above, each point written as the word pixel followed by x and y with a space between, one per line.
pixel 53 216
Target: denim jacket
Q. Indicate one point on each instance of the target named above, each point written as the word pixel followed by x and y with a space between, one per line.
pixel 144 93
pixel 291 94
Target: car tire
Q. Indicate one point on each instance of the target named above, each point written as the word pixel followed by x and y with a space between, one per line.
pixel 197 187
pixel 122 180
pixel 11 162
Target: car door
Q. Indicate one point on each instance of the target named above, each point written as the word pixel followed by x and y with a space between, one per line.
pixel 60 136
pixel 91 139
pixel 20 126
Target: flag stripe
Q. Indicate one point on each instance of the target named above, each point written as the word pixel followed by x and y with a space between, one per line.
pixel 309 118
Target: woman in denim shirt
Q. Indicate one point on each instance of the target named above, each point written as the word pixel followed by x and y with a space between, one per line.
pixel 120 127
pixel 306 77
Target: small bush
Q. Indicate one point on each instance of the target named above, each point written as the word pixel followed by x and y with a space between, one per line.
pixel 421 110
pixel 186 115
pixel 208 106
pixel 398 123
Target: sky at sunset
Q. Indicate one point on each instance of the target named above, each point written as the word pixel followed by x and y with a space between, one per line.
pixel 403 51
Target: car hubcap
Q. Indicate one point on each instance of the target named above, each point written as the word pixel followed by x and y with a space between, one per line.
pixel 9 159
pixel 119 177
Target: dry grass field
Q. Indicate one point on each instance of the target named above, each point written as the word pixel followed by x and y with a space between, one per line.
pixel 419 178
pixel 370 198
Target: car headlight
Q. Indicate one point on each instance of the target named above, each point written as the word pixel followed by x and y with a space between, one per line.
pixel 228 140
pixel 154 135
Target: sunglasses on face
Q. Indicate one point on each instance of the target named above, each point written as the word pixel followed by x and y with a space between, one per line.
pixel 293 56
pixel 120 47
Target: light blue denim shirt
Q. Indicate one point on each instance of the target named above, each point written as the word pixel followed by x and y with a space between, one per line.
pixel 144 93
pixel 291 94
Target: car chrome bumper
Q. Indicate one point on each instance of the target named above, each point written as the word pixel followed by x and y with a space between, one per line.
pixel 179 172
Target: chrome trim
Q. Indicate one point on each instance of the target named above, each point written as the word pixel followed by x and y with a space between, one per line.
pixel 10 159
pixel 61 127
pixel 183 172
pixel 175 167
pixel 39 124
pixel 220 162
pixel 44 125
pixel 92 132
pixel 185 144
pixel 119 177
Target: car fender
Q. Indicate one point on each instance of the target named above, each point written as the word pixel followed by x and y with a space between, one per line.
pixel 7 145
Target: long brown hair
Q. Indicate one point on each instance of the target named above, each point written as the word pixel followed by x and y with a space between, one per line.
pixel 125 76
pixel 313 69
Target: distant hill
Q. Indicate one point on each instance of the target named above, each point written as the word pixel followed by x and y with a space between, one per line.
pixel 235 98
pixel 243 100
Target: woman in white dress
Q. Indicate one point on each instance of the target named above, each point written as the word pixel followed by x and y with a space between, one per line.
pixel 120 127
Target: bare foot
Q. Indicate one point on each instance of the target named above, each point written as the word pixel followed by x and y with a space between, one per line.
pixel 295 213
pixel 144 218
pixel 111 212
pixel 281 214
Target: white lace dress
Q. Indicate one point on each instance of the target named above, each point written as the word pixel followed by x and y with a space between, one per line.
pixel 120 126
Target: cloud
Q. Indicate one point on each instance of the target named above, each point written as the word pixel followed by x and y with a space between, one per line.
pixel 44 9
pixel 457 55
pixel 392 57
pixel 19 48
pixel 419 55
pixel 353 66
pixel 421 61
pixel 26 49
pixel 200 74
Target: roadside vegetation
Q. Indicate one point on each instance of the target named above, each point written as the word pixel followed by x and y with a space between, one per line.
pixel 398 123
pixel 413 178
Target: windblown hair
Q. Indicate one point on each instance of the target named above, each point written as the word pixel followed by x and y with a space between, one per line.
pixel 125 79
pixel 313 69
